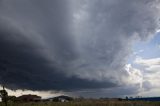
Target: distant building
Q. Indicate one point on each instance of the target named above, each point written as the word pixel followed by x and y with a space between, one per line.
pixel 29 98
pixel 61 99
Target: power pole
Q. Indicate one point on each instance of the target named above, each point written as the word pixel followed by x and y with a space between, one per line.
pixel 4 92
pixel 5 96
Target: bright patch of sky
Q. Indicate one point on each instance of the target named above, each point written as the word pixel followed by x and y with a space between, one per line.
pixel 146 58
pixel 146 49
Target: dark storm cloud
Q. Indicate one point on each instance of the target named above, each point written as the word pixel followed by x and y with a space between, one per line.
pixel 70 45
pixel 21 67
pixel 25 61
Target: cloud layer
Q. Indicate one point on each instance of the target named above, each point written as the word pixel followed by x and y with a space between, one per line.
pixel 70 45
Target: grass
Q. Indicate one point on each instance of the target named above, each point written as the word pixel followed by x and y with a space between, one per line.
pixel 86 103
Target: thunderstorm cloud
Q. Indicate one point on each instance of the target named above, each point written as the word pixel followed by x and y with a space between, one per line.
pixel 72 44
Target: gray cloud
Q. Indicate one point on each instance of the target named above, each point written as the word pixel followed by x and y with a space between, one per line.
pixel 113 92
pixel 70 45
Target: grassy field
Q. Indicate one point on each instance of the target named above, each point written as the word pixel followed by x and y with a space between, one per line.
pixel 86 103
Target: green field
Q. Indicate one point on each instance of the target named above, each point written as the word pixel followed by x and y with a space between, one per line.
pixel 86 103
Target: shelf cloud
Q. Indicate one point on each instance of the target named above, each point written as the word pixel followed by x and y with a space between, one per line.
pixel 72 44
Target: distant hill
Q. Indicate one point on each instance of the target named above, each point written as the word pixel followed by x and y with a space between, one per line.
pixel 145 99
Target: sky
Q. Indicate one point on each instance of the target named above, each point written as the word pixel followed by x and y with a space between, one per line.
pixel 90 48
